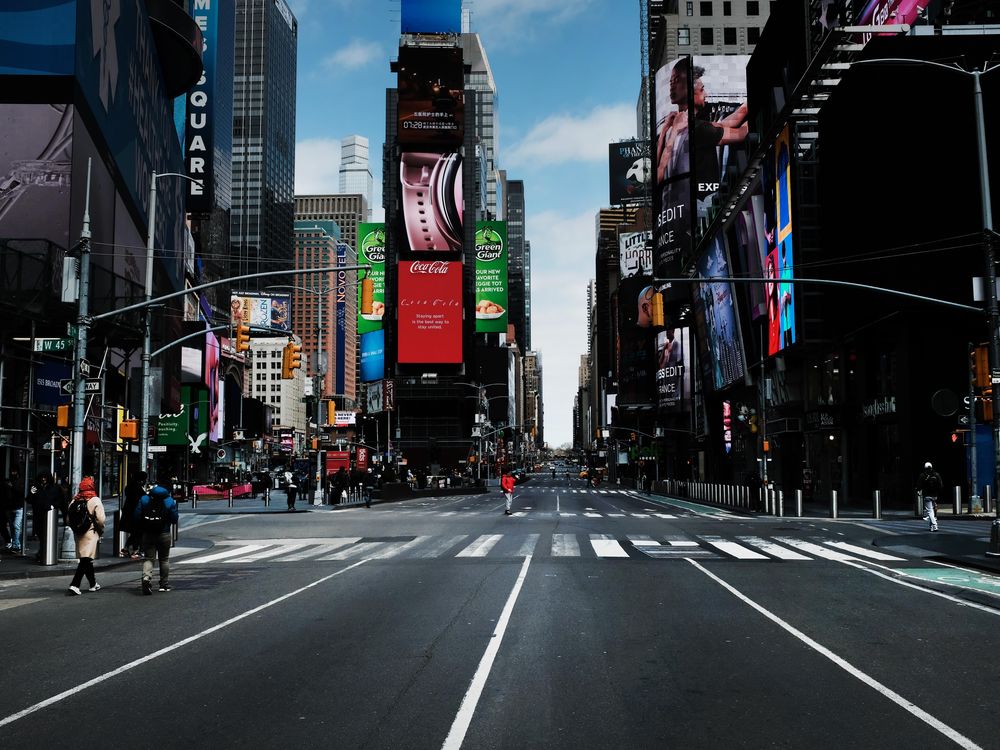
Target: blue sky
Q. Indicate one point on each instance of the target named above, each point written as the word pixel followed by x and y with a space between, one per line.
pixel 567 72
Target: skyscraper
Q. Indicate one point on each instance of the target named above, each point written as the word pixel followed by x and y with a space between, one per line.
pixel 519 268
pixel 261 226
pixel 355 172
pixel 480 78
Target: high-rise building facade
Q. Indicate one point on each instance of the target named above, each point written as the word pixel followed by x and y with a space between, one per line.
pixel 283 396
pixel 314 311
pixel 355 170
pixel 261 223
pixel 346 210
pixel 517 269
pixel 480 78
pixel 711 27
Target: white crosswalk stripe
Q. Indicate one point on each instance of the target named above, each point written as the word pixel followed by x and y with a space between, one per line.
pixel 775 550
pixel 607 546
pixel 733 548
pixel 565 545
pixel 854 549
pixel 481 547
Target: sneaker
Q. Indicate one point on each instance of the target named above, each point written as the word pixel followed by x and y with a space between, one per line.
pixel 147 587
pixel 73 591
pixel 95 587
pixel 165 587
pixel 934 528
pixel 507 513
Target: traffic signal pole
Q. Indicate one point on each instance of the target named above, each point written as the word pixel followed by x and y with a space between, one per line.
pixel 80 350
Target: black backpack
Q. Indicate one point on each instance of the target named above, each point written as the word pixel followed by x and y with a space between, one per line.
pixel 78 517
pixel 153 514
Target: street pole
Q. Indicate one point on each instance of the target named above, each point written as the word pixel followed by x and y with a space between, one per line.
pixel 321 370
pixel 147 331
pixel 80 353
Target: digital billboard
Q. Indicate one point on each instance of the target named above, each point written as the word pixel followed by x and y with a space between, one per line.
pixel 491 277
pixel 38 38
pixel 719 337
pixel 672 199
pixel 431 190
pixel 431 16
pixel 430 312
pixel 371 250
pixel 673 370
pixel 629 171
pixel 213 383
pixel 780 260
pixel 262 311
pixel 636 367
pixel 635 254
pixel 431 109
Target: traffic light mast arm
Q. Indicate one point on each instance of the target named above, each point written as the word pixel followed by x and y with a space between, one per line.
pixel 202 332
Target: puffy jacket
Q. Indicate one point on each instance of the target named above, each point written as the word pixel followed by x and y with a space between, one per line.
pixel 170 515
pixel 507 483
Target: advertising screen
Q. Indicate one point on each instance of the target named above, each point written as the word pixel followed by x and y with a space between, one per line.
pixel 431 190
pixel 262 311
pixel 212 383
pixel 672 199
pixel 431 16
pixel 780 260
pixel 629 170
pixel 340 315
pixel 636 367
pixel 491 277
pixel 431 85
pixel 635 254
pixel 372 356
pixel 673 370
pixel 722 359
pixel 430 312
pixel 371 249
pixel 38 38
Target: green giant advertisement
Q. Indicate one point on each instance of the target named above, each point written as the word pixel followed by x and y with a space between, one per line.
pixel 371 249
pixel 491 277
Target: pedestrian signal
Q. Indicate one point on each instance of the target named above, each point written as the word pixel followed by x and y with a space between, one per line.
pixel 62 416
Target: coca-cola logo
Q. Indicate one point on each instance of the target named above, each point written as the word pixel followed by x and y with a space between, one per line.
pixel 432 267
pixel 487 253
pixel 375 254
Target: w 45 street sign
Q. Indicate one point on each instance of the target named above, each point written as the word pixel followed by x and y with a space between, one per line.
pixel 53 345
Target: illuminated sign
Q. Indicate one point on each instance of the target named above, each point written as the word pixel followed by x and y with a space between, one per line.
pixel 430 312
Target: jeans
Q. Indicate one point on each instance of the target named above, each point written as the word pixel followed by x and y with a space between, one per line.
pixel 156 545
pixel 929 503
pixel 508 498
pixel 16 526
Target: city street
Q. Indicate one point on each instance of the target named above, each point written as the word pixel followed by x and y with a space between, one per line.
pixel 589 618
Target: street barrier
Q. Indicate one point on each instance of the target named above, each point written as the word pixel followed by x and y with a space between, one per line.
pixel 49 551
pixel 877 504
pixel 781 504
pixel 833 504
pixel 798 503
pixel 956 501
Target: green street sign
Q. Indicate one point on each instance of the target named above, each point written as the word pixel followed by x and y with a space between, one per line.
pixel 53 345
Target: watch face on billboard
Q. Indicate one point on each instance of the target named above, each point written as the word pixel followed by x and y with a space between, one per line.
pixel 371 250
pixel 430 312
pixel 431 109
pixel 491 276
pixel 431 190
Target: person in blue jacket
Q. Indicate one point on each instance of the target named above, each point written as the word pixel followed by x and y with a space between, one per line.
pixel 153 518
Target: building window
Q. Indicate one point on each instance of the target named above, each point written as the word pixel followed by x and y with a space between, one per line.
pixel 707 37
pixel 705 8
pixel 727 8
pixel 683 37
pixel 729 35
pixel 753 34
pixel 690 8
pixel 753 7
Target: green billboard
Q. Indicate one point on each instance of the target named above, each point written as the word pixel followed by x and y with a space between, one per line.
pixel 491 277
pixel 371 249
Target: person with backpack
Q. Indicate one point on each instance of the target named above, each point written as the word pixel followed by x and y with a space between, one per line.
pixel 134 491
pixel 85 517
pixel 930 483
pixel 507 485
pixel 153 517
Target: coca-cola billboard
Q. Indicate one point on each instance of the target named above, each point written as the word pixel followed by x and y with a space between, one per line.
pixel 429 301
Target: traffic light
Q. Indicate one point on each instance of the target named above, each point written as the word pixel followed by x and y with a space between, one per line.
pixel 62 416
pixel 129 429
pixel 632 437
pixel 980 364
pixel 367 295
pixel 286 362
pixel 242 337
pixel 295 356
pixel 656 316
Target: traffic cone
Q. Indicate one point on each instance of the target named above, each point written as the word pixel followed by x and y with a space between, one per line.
pixel 994 550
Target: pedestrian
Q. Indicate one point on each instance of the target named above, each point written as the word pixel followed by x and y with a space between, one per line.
pixel 13 503
pixel 134 491
pixel 291 490
pixel 85 516
pixel 153 517
pixel 930 483
pixel 45 495
pixel 507 485
pixel 341 480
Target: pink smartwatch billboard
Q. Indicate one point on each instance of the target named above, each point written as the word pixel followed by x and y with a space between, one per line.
pixel 491 277
pixel 431 190
pixel 371 250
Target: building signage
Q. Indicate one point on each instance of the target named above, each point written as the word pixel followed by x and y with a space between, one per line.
pixel 673 371
pixel 373 398
pixel 371 251
pixel 344 418
pixel 199 140
pixel 629 170
pixel 262 311
pixel 340 343
pixel 430 312
pixel 879 407
pixel 389 395
pixel 635 254
pixel 491 276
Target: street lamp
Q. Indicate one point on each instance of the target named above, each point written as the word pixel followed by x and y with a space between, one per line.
pixel 147 334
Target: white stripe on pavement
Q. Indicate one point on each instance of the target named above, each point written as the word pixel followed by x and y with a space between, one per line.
pixel 864 552
pixel 397 549
pixel 732 548
pixel 815 549
pixel 565 545
pixel 440 546
pixel 782 553
pixel 354 550
pixel 245 549
pixel 273 552
pixel 481 547
pixel 319 549
pixel 592 515
pixel 528 548
pixel 607 546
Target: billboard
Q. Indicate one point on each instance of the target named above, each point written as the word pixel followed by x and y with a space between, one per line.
pixel 340 316
pixel 272 311
pixel 635 341
pixel 38 38
pixel 635 254
pixel 672 200
pixel 431 84
pixel 491 277
pixel 372 356
pixel 629 171
pixel 673 370
pixel 721 344
pixel 431 190
pixel 430 312
pixel 780 260
pixel 431 16
pixel 371 250
pixel 213 383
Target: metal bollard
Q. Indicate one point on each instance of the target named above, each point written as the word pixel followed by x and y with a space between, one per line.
pixel 118 533
pixel 194 499
pixel 877 504
pixel 833 504
pixel 918 511
pixel 229 494
pixel 174 533
pixel 781 504
pixel 798 503
pixel 956 502
pixel 267 497
pixel 988 499
pixel 760 498
pixel 49 552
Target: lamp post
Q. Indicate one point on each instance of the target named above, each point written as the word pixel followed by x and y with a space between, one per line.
pixel 147 334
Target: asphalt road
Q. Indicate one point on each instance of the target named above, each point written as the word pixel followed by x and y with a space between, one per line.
pixel 589 619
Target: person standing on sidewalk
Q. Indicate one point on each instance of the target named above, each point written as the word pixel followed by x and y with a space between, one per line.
pixel 86 536
pixel 153 517
pixel 45 495
pixel 12 494
pixel 930 483
pixel 507 485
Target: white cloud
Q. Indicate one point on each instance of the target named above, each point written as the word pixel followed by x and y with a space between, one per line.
pixel 357 54
pixel 317 166
pixel 562 263
pixel 508 17
pixel 564 138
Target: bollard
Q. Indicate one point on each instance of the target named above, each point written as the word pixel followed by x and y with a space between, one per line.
pixel 267 497
pixel 956 501
pixel 781 503
pixel 118 533
pixel 229 497
pixel 988 499
pixel 833 504
pixel 760 498
pixel 49 552
pixel 174 532
pixel 798 503
pixel 918 511
pixel 194 499
pixel 877 504
pixel 994 548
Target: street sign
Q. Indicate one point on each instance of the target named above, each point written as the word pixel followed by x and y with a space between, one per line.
pixel 66 386
pixel 53 345
pixel 85 368
pixel 963 419
pixel 157 449
pixel 89 386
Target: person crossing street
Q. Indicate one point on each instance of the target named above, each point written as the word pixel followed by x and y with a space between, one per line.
pixel 930 483
pixel 507 485
pixel 153 517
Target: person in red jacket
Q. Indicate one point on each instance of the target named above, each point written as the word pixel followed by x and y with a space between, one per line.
pixel 507 485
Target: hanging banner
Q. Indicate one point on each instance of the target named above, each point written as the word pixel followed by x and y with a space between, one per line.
pixel 371 250
pixel 491 277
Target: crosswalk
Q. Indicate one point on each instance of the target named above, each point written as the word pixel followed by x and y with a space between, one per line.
pixel 555 545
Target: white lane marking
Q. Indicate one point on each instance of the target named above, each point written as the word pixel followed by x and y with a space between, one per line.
pixel 681 543
pixel 567 515
pixel 273 552
pixel 565 545
pixel 816 549
pixel 864 552
pixel 643 540
pixel 864 565
pixel 481 547
pixel 168 649
pixel 606 546
pixel 397 549
pixel 195 524
pixel 11 603
pixel 440 546
pixel 952 734
pixel 216 556
pixel 519 513
pixel 592 515
pixel 589 508
pixel 782 553
pixel 459 727
pixel 639 515
pixel 319 549
pixel 664 515
pixel 528 548
pixel 735 550
pixel 616 515
pixel 355 550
